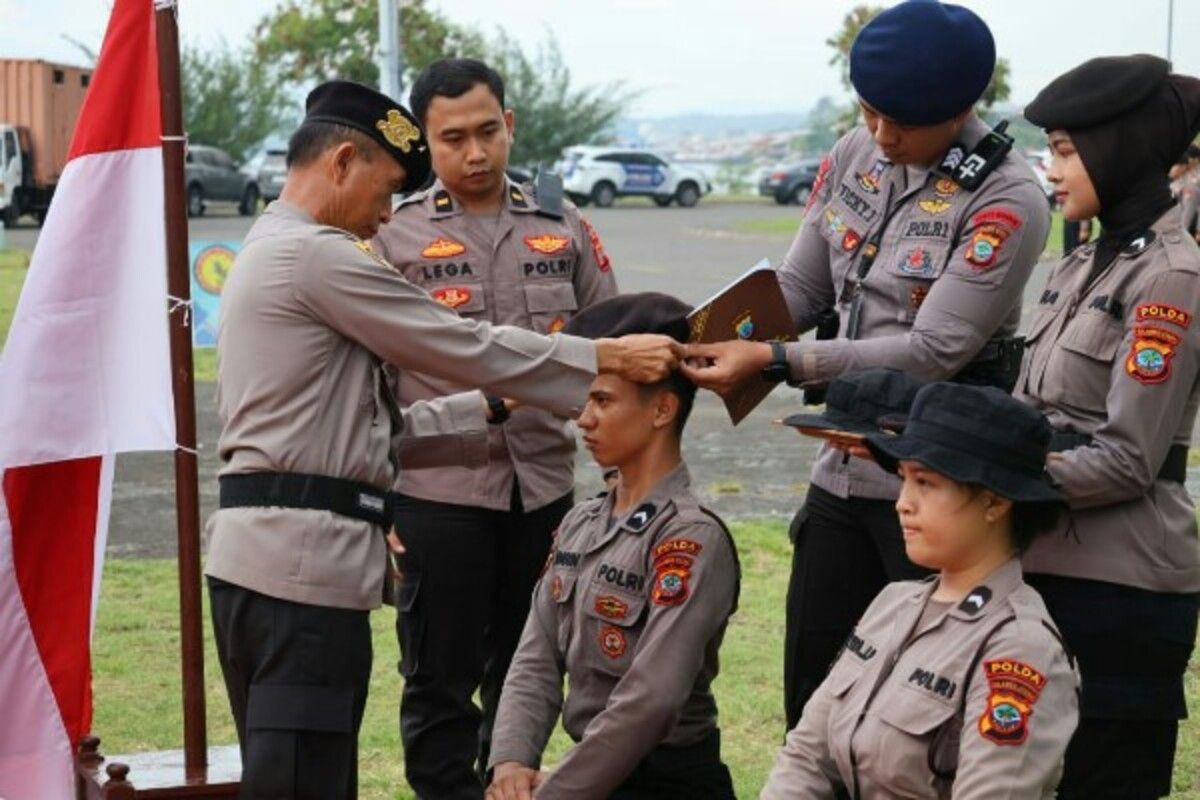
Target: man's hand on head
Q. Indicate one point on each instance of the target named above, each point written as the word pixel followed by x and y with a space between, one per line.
pixel 639 357
pixel 724 366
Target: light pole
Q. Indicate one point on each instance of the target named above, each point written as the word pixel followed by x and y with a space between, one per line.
pixel 389 49
pixel 1170 26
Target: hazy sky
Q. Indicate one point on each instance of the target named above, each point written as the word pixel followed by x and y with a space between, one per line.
pixel 691 55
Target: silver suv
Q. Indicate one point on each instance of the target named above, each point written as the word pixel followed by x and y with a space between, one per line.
pixel 210 174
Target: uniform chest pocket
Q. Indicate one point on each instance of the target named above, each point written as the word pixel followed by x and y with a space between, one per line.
pixel 1084 358
pixel 917 734
pixel 550 304
pixel 466 298
pixel 612 625
pixel 561 588
pixel 913 267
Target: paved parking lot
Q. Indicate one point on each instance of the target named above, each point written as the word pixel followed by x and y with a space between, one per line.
pixel 756 470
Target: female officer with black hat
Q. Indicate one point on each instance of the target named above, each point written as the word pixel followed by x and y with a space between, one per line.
pixel 1112 360
pixel 958 685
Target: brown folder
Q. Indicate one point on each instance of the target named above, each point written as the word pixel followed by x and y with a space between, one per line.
pixel 753 308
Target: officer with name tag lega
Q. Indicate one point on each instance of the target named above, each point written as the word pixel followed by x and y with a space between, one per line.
pixel 921 233
pixel 476 536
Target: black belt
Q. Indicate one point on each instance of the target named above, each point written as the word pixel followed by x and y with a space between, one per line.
pixel 1174 466
pixel 298 490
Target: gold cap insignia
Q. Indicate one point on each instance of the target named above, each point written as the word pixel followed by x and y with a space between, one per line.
pixel 399 132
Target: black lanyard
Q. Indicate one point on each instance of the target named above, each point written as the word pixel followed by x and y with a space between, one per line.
pixel 870 251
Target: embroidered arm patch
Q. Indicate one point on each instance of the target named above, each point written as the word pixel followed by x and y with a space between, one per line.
pixel 1013 688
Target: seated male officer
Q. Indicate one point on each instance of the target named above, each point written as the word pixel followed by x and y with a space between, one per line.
pixel 632 605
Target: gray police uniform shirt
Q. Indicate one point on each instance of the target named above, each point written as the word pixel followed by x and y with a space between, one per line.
pixel 531 271
pixel 632 612
pixel 1117 358
pixel 948 276
pixel 984 692
pixel 308 314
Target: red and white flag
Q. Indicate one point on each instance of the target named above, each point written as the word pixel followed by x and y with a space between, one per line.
pixel 85 374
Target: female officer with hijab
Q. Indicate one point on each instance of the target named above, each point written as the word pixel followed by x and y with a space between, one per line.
pixel 1112 360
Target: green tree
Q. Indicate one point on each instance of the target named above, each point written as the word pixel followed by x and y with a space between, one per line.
pixel 551 114
pixel 308 41
pixel 230 100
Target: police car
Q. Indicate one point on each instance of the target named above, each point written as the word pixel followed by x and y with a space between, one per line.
pixel 602 174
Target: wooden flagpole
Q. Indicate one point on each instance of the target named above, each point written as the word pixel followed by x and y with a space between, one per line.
pixel 187 498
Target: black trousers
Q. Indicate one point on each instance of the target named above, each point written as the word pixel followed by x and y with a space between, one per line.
pixel 1132 647
pixel 297 680
pixel 694 772
pixel 843 553
pixel 468 576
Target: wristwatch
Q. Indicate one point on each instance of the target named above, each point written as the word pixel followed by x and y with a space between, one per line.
pixel 498 412
pixel 778 371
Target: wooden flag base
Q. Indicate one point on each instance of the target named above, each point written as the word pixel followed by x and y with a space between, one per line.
pixel 156 775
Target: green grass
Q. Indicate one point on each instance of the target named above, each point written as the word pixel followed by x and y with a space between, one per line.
pixel 137 675
pixel 13 266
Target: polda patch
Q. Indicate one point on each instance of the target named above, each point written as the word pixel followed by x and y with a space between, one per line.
pixel 1013 689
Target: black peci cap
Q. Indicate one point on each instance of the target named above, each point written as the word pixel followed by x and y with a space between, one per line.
pixel 1097 90
pixel 378 116
pixel 643 312
pixel 974 434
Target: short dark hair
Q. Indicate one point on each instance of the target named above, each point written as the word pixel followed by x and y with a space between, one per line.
pixel 313 138
pixel 679 386
pixel 452 77
pixel 1030 520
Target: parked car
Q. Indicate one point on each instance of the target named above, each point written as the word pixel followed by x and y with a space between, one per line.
pixel 791 184
pixel 602 174
pixel 210 174
pixel 268 168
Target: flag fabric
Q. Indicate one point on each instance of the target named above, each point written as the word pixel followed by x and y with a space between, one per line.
pixel 85 374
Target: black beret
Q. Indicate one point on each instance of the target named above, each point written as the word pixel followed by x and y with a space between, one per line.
pixel 379 117
pixel 644 312
pixel 922 62
pixel 1097 90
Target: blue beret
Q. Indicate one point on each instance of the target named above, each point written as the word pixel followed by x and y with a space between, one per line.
pixel 922 62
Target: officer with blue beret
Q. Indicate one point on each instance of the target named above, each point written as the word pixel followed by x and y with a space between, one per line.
pixel 921 232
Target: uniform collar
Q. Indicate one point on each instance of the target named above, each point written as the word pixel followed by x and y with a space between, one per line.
pixel 973 130
pixel 442 204
pixel 981 601
pixel 288 210
pixel 655 505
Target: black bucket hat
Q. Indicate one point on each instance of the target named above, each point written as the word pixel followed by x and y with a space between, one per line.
pixel 974 434
pixel 854 402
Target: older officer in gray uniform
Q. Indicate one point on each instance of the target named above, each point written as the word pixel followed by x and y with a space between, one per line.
pixel 296 551
pixel 921 233
pixel 1114 363
pixel 475 538
pixel 631 609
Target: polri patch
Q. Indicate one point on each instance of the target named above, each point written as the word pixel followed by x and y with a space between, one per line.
pixel 452 296
pixel 547 244
pixel 670 586
pixel 601 256
pixel 612 641
pixel 1150 356
pixel 1161 312
pixel 1013 688
pixel 611 607
pixel 443 248
pixel 677 547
